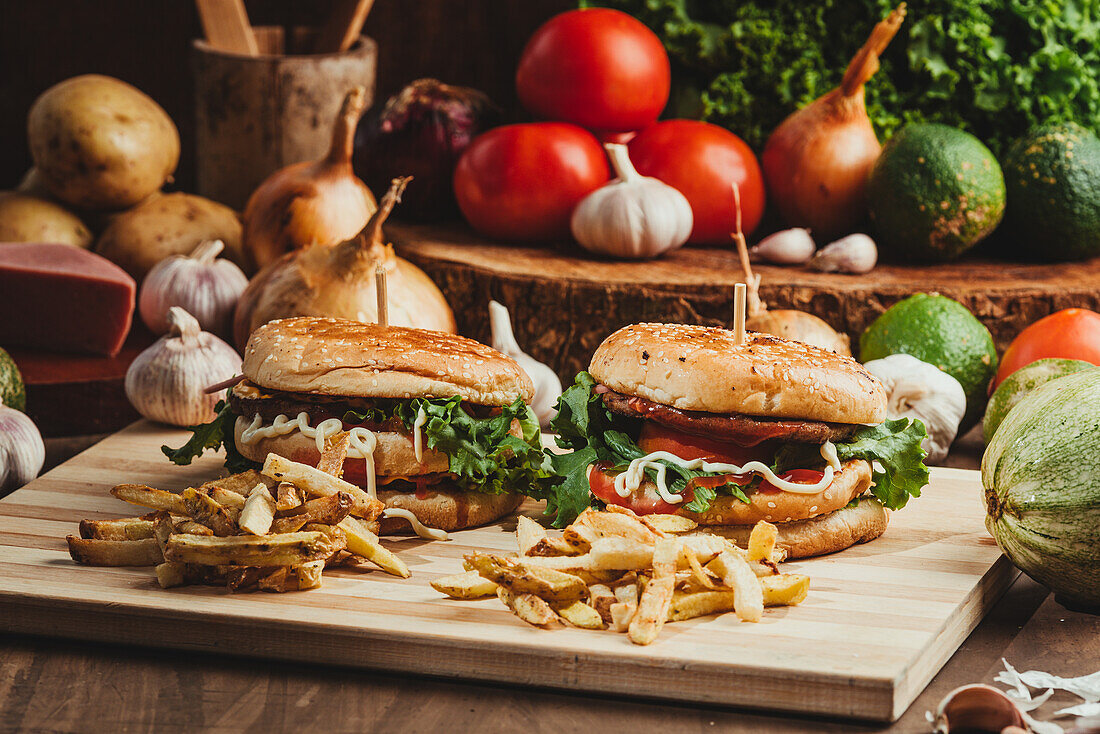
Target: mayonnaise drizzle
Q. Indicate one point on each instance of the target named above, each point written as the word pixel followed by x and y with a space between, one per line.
pixel 628 481
pixel 418 527
pixel 418 438
pixel 361 442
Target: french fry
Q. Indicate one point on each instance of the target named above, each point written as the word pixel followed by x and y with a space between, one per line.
pixel 125 528
pixel 287 549
pixel 528 534
pixel 612 525
pixel 666 556
pixel 671 524
pixel 580 537
pixel 786 589
pixel 620 554
pixel 465 585
pixel 206 510
pixel 275 579
pixel 229 500
pixel 601 598
pixel 309 574
pixel 288 497
pixel 652 608
pixel 737 575
pixel 170 574
pixel 334 453
pixel 688 605
pixel 94 552
pixel 362 541
pixel 328 510
pixel 551 546
pixel 698 575
pixel 579 614
pixel 762 541
pixel 316 482
pixel 145 496
pixel 626 606
pixel 520 578
pixel 192 528
pixel 242 577
pixel 528 607
pixel 241 483
pixel 258 512
pixel 291 524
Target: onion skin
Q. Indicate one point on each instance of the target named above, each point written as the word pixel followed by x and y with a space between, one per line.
pixel 339 282
pixel 817 161
pixel 312 203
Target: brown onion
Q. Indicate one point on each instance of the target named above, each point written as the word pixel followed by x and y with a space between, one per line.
pixel 312 203
pixel 339 281
pixel 817 161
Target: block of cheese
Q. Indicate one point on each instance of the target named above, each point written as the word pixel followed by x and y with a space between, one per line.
pixel 63 298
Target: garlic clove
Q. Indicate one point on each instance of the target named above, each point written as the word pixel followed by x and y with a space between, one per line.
pixel 547 384
pixel 854 254
pixel 787 247
pixel 167 381
pixel 201 284
pixel 975 708
pixel 22 452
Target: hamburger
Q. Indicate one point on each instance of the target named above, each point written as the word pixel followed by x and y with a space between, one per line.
pixel 439 426
pixel 684 419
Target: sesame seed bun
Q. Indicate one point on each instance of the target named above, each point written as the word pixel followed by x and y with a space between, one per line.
pixel 446 507
pixel 704 369
pixel 843 528
pixel 354 359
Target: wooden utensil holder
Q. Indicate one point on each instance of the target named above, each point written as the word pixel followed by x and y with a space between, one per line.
pixel 256 114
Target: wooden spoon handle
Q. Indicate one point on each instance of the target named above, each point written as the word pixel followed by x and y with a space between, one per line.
pixel 225 23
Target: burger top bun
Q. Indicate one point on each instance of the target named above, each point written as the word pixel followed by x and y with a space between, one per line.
pixel 705 369
pixel 352 359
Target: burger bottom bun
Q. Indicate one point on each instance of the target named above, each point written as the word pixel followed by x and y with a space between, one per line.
pixel 446 507
pixel 394 456
pixel 817 536
pixel 853 479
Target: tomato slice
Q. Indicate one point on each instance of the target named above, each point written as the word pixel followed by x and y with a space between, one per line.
pixel 645 502
pixel 655 437
pixel 798 476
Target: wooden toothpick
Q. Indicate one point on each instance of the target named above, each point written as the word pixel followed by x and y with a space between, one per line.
pixel 755 305
pixel 739 297
pixel 383 299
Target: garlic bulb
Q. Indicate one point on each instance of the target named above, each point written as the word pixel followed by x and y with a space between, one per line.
pixel 788 247
pixel 547 384
pixel 166 381
pixel 339 281
pixel 855 253
pixel 916 389
pixel 22 452
pixel 633 216
pixel 205 287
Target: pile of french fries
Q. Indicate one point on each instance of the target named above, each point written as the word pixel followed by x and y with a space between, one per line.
pixel 270 530
pixel 616 570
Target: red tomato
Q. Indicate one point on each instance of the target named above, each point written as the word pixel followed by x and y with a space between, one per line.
pixel 655 437
pixel 1073 333
pixel 798 476
pixel 646 502
pixel 521 182
pixel 703 161
pixel 599 68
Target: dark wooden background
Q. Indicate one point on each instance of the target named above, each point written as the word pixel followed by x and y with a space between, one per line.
pixel 148 43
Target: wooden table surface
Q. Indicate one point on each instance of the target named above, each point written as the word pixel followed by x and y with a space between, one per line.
pixel 64 686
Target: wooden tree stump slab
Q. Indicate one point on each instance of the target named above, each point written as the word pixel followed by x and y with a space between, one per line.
pixel 564 302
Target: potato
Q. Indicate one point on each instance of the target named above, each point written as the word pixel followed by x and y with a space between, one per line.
pixel 99 143
pixel 171 224
pixel 26 218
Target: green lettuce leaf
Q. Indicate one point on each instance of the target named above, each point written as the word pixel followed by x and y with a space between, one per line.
pixel 483 454
pixel 585 425
pixel 894 444
pixel 212 436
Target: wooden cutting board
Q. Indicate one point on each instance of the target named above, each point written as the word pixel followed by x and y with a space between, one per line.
pixel 564 301
pixel 880 621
